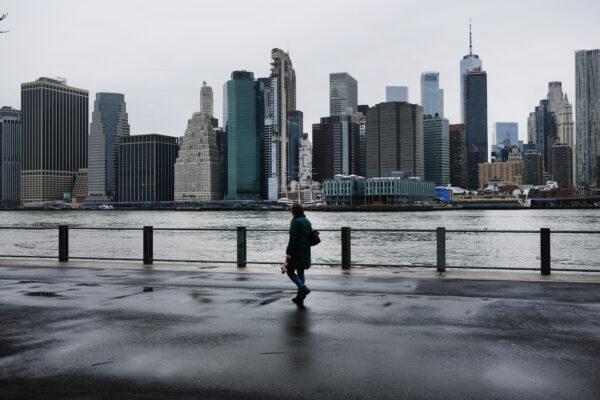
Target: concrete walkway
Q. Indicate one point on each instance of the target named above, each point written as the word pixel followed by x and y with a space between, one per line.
pixel 95 333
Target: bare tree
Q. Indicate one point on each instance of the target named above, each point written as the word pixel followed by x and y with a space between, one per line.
pixel 1 18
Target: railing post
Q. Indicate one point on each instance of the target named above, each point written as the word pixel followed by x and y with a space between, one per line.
pixel 241 246
pixel 148 245
pixel 545 250
pixel 441 249
pixel 63 243
pixel 346 248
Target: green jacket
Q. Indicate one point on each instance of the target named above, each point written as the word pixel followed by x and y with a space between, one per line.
pixel 298 247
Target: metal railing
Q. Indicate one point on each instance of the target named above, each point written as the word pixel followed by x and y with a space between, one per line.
pixel 441 248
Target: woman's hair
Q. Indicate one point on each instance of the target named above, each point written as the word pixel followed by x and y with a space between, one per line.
pixel 297 209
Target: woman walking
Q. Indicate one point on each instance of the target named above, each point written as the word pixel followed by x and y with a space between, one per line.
pixel 298 252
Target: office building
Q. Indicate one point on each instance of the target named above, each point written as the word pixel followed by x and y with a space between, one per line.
pixel 242 107
pixel 305 159
pixel 546 133
pixel 296 129
pixel 80 187
pixel 336 149
pixel 10 153
pixel 470 62
pixel 458 155
pixel 198 165
pixel 206 100
pixel 343 94
pixel 432 97
pixel 563 113
pixel 396 93
pixel 221 138
pixel 436 150
pixel 476 124
pixel 533 168
pixel 505 172
pixel 395 140
pixel 506 133
pixel 109 124
pixel 55 138
pixel 587 116
pixel 562 165
pixel 146 168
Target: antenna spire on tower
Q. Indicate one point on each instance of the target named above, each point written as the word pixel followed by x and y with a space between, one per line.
pixel 470 39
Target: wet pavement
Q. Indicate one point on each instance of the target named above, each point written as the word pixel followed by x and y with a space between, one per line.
pixel 96 333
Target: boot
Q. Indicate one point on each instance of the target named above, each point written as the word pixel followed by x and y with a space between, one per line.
pixel 304 291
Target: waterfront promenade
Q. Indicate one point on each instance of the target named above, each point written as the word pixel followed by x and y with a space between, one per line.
pixel 122 331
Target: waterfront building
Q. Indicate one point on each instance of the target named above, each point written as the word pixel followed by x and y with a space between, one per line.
pixel 344 190
pixel 343 94
pixel 436 149
pixel 221 138
pixel 562 165
pixel 10 153
pixel 305 159
pixel 432 97
pixel 295 129
pixel 80 187
pixel 198 165
pixel 242 106
pixel 533 168
pixel 458 155
pixel 395 140
pixel 336 149
pixel 206 100
pixel 470 62
pixel 396 93
pixel 109 124
pixel 146 168
pixel 506 133
pixel 476 123
pixel 587 119
pixel 509 172
pixel 55 138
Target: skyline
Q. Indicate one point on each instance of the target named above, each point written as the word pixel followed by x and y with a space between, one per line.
pixel 162 87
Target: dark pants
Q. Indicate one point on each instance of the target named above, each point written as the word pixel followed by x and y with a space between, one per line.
pixel 297 276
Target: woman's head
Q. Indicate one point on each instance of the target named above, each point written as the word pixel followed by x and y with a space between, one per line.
pixel 297 209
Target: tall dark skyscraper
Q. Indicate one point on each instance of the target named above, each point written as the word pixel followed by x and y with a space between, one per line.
pixel 336 147
pixel 10 153
pixel 470 62
pixel 343 94
pixel 562 165
pixel 533 168
pixel 436 149
pixel 147 168
pixel 476 124
pixel 109 125
pixel 295 128
pixel 458 155
pixel 55 138
pixel 546 132
pixel 395 140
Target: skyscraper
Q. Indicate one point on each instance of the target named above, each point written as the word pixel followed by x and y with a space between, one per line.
pixel 55 138
pixel 396 93
pixel 436 149
pixel 476 124
pixel 395 140
pixel 587 119
pixel 562 165
pixel 546 132
pixel 146 168
pixel 343 94
pixel 10 153
pixel 469 63
pixel 305 158
pixel 506 133
pixel 206 100
pixel 563 113
pixel 458 155
pixel 533 168
pixel 296 128
pixel 336 149
pixel 109 125
pixel 432 97
pixel 244 127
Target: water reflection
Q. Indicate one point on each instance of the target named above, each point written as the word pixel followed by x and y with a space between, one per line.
pixel 297 333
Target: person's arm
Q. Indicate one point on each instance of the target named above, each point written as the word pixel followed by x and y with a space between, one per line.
pixel 293 241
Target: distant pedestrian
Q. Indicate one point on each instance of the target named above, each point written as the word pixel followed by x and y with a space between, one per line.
pixel 298 252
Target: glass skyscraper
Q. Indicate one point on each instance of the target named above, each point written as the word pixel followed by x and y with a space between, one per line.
pixel 476 124
pixel 396 93
pixel 432 97
pixel 343 94
pixel 436 149
pixel 295 128
pixel 10 152
pixel 506 133
pixel 470 62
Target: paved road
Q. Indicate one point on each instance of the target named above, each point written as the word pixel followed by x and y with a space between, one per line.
pixel 237 336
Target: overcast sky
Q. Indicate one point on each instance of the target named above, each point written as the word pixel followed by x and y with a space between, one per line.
pixel 158 52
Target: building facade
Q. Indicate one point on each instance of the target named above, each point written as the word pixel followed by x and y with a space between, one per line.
pixel 396 93
pixel 343 94
pixel 436 145
pixel 109 125
pixel 470 62
pixel 432 97
pixel 546 132
pixel 55 138
pixel 305 159
pixel 508 172
pixel 506 133
pixel 10 153
pixel 587 116
pixel 336 149
pixel 146 168
pixel 458 155
pixel 395 140
pixel 476 124
pixel 206 100
pixel 562 165
pixel 296 129
pixel 533 168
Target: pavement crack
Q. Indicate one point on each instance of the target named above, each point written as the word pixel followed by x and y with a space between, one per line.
pixel 101 363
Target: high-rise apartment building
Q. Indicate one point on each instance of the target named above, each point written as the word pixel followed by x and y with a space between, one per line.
pixel 436 149
pixel 55 138
pixel 470 62
pixel 343 94
pixel 562 165
pixel 395 140
pixel 458 155
pixel 432 97
pixel 10 153
pixel 476 124
pixel 587 119
pixel 396 93
pixel 296 129
pixel 506 133
pixel 146 168
pixel 206 100
pixel 336 149
pixel 109 124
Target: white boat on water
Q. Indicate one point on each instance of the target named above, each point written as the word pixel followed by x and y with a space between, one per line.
pixel 106 207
